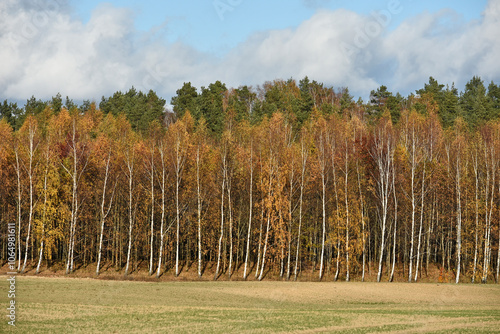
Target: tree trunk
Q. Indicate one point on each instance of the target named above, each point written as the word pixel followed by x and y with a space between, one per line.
pixel 459 222
pixel 261 275
pixel 489 204
pixel 198 196
pixel 151 241
pixel 290 221
pixel 384 160
pixel 44 213
pixel 269 208
pixel 304 156
pixel 103 213
pixel 413 164
pixel 363 237
pixel 391 279
pixel 31 153
pixel 74 204
pixel 162 218
pixel 130 215
pixel 322 163
pixel 422 194
pixel 346 187
pixel 230 208
pixel 178 170
pixel 476 206
pixel 323 234
pixel 250 208
pixel 19 191
pixel 221 216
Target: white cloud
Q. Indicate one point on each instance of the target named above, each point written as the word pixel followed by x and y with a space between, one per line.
pixel 445 47
pixel 46 50
pixel 56 53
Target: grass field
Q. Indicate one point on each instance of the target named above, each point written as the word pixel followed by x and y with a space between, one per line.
pixel 69 305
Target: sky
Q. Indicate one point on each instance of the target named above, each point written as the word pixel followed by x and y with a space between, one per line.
pixel 89 49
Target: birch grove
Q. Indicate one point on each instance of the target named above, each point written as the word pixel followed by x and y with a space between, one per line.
pixel 270 193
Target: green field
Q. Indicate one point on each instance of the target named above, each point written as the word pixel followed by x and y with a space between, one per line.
pixel 66 305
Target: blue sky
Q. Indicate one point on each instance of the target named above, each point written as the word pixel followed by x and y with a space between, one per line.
pixel 87 49
pixel 218 26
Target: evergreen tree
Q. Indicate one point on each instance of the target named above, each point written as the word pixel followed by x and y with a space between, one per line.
pixel 434 88
pixel 494 100
pixel 306 101
pixel 474 103
pixel 139 108
pixel 56 103
pixel 9 111
pixel 448 109
pixel 382 99
pixel 211 106
pixel 241 102
pixel 346 100
pixel 186 99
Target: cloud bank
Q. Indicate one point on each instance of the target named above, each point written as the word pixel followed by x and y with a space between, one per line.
pixel 45 50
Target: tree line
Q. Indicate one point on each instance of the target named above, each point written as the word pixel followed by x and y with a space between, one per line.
pixel 284 178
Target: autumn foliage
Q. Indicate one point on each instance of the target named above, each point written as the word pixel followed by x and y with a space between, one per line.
pixel 337 193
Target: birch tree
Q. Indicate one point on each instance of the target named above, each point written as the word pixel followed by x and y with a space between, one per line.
pixel 179 141
pixel 382 153
pixel 74 158
pixel 104 150
pixel 31 140
pixel 304 155
pixel 491 137
pixel 321 157
pixel 162 180
pixel 413 148
pixel 250 202
pixel 129 147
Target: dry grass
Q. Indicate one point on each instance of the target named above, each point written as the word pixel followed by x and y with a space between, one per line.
pixel 75 305
pixel 139 272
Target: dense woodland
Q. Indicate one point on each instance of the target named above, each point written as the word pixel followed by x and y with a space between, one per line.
pixel 284 178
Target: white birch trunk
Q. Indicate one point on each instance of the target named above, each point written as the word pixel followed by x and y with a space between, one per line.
pixel 19 191
pixel 459 220
pixel 44 213
pixel 268 227
pixel 104 213
pixel 383 157
pixel 261 275
pixel 322 163
pixel 199 206
pixel 31 154
pixel 290 220
pixel 179 166
pixel 249 233
pixel 422 194
pixel 152 185
pixel 130 167
pixel 304 156
pixel 162 219
pixel 413 206
pixel 74 201
pixel 230 208
pixel 489 203
pixel 221 215
pixel 346 188
pixel 475 165
pixel 391 278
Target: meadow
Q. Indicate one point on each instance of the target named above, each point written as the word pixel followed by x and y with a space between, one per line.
pixel 76 305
